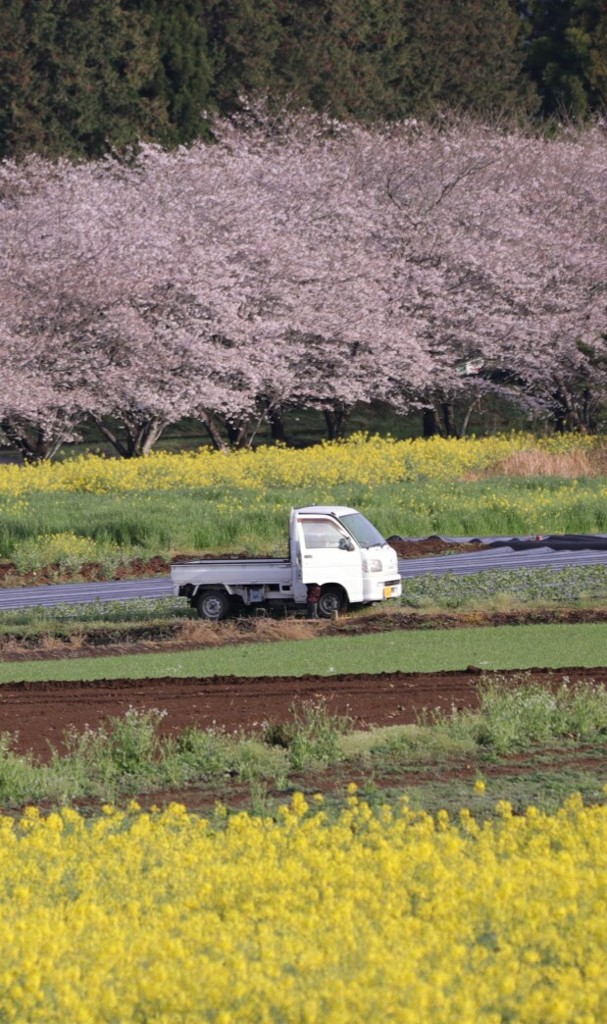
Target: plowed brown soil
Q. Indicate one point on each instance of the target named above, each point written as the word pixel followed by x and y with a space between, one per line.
pixel 433 546
pixel 41 712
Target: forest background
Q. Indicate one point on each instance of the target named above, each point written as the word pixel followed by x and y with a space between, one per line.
pixel 411 219
pixel 80 78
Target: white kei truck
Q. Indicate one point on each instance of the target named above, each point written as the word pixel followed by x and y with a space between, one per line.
pixel 332 546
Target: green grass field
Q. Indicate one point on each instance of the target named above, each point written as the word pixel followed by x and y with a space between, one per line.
pixel 503 647
pixel 223 519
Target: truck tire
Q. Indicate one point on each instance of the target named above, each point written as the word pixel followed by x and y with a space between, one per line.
pixel 213 605
pixel 332 599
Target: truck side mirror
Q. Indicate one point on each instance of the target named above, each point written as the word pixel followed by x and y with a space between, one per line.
pixel 346 544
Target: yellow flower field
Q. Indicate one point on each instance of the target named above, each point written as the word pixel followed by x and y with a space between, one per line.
pixel 240 500
pixel 367 461
pixel 381 916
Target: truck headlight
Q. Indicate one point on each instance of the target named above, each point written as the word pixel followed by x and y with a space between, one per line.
pixel 372 565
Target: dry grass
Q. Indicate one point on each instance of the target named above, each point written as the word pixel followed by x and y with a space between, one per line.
pixel 47 643
pixel 50 643
pixel 218 634
pixel 192 633
pixel 537 463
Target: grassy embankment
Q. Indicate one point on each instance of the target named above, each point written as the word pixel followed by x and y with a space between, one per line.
pixel 428 601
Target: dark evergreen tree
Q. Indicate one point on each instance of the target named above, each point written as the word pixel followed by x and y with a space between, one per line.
pixel 243 40
pixel 21 124
pixel 13 73
pixel 465 54
pixel 79 77
pixel 371 59
pixel 82 88
pixel 567 55
pixel 181 83
pixel 348 57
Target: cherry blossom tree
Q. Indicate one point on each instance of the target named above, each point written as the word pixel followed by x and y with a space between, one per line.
pixel 97 277
pixel 501 243
pixel 327 272
pixel 301 262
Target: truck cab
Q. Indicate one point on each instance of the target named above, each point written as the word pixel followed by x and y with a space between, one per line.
pixel 341 551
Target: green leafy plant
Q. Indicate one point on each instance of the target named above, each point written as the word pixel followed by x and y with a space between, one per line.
pixel 65 549
pixel 312 736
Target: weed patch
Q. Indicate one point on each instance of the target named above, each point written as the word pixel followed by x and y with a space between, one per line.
pixel 133 754
pixel 312 737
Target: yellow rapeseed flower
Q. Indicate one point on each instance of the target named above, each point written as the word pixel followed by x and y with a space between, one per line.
pixel 362 459
pixel 384 916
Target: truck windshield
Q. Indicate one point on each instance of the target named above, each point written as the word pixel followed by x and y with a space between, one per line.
pixel 362 530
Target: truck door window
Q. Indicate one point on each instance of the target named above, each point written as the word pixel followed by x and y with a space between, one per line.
pixel 321 533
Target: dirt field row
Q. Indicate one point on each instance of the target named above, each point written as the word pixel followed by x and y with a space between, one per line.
pixel 40 712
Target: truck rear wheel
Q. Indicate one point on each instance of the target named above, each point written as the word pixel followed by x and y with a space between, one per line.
pixel 332 599
pixel 213 605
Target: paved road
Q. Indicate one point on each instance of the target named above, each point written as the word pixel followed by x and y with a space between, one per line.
pixel 461 564
pixel 498 558
pixel 82 593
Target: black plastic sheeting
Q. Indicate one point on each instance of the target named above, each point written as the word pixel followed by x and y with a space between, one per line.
pixel 555 541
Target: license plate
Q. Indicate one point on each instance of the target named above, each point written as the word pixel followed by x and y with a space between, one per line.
pixel 388 591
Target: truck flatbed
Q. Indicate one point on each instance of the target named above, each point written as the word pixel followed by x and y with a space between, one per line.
pixel 232 571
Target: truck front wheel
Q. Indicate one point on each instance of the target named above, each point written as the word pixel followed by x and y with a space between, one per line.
pixel 213 605
pixel 332 599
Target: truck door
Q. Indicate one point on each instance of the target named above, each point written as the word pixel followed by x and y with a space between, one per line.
pixel 329 555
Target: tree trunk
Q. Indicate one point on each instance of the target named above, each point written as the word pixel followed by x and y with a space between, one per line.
pixel 566 414
pixel 113 438
pixel 139 438
pixel 473 405
pixel 34 444
pixel 238 434
pixel 147 436
pixel 336 419
pixel 588 417
pixel 448 418
pixel 560 414
pixel 213 431
pixel 430 426
pixel 277 426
